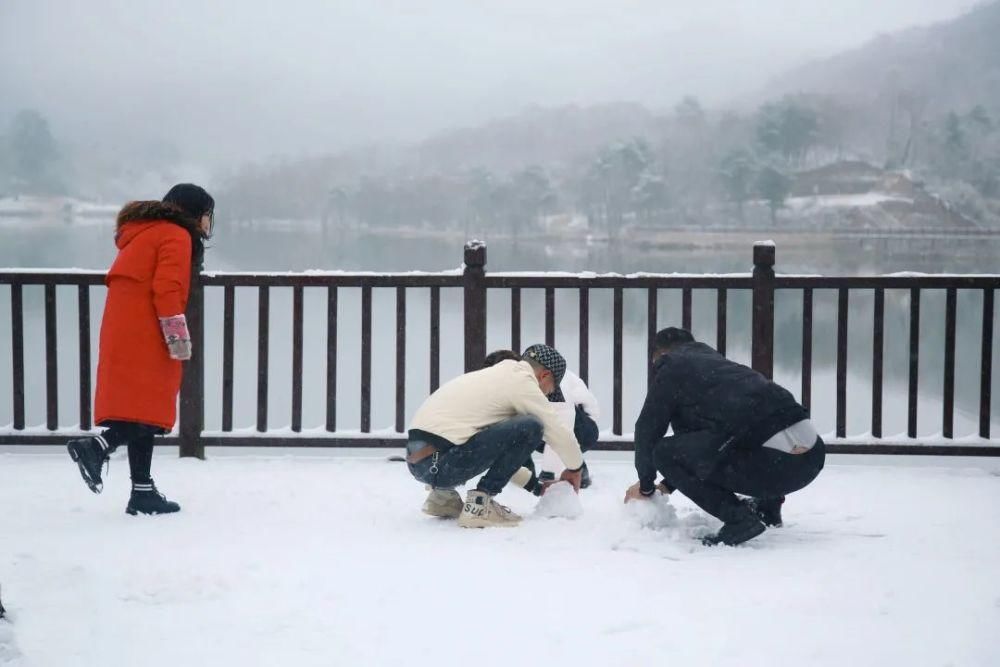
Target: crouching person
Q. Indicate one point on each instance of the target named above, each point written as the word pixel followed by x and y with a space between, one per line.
pixel 735 431
pixel 574 403
pixel 572 400
pixel 488 421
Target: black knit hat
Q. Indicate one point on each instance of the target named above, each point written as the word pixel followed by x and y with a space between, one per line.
pixel 193 199
pixel 666 338
pixel 551 361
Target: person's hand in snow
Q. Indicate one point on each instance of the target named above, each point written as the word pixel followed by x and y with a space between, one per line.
pixel 574 477
pixel 634 493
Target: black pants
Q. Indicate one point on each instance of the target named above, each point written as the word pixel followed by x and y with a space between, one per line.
pixel 693 464
pixel 499 450
pixel 584 428
pixel 139 440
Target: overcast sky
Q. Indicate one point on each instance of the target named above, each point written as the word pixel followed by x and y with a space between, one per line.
pixel 247 78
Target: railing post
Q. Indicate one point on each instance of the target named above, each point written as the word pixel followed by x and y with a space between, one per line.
pixel 192 419
pixel 474 283
pixel 762 347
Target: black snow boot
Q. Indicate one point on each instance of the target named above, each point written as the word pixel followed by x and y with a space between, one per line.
pixel 585 480
pixel 768 510
pixel 736 532
pixel 145 499
pixel 90 454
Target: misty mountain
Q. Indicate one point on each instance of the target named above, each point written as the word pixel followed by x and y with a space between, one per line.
pixel 923 102
pixel 537 136
pixel 953 65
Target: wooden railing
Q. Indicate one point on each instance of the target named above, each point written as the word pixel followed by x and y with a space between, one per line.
pixel 476 284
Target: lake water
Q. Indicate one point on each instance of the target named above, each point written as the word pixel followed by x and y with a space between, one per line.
pixel 33 243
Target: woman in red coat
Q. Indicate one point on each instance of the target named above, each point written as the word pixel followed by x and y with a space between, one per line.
pixel 144 337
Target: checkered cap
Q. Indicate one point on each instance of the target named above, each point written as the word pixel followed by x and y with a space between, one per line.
pixel 551 361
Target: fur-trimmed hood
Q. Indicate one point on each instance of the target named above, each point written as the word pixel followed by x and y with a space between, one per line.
pixel 143 213
pixel 149 211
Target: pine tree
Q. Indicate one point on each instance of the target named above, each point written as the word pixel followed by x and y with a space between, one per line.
pixel 33 154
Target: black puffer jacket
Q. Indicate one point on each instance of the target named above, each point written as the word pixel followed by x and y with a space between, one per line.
pixel 694 389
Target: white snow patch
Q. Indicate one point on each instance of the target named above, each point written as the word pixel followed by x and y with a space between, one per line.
pixel 322 273
pixel 325 558
pixel 286 431
pixel 9 655
pixel 73 271
pixel 843 201
pixel 590 275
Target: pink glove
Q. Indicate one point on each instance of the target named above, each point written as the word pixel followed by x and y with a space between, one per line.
pixel 175 333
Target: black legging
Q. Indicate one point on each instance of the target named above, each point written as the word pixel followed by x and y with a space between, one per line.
pixel 697 465
pixel 139 440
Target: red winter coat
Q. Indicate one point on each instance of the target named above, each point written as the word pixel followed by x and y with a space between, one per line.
pixel 137 381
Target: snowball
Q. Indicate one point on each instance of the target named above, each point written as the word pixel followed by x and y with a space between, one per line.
pixel 656 513
pixel 559 501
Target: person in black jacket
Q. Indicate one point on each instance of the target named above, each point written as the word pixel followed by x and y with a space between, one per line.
pixel 734 431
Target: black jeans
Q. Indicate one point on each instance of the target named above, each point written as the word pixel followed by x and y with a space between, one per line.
pixel 499 450
pixel 139 439
pixel 697 465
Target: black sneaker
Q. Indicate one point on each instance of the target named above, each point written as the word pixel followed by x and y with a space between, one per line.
pixel 145 499
pixel 768 510
pixel 90 455
pixel 735 533
pixel 585 480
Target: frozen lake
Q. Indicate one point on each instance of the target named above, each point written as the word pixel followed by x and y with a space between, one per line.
pixel 324 558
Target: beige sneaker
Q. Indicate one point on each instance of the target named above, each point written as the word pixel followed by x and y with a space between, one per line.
pixel 444 503
pixel 481 511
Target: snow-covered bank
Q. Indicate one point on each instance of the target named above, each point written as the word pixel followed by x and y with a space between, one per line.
pixel 63 208
pixel 323 558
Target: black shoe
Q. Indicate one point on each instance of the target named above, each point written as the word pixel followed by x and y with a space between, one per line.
pixel 585 480
pixel 768 510
pixel 735 533
pixel 546 476
pixel 90 455
pixel 145 499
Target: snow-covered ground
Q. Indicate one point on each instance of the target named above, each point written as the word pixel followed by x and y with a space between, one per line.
pixel 323 558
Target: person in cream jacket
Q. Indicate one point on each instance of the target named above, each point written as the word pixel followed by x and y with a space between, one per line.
pixel 488 421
